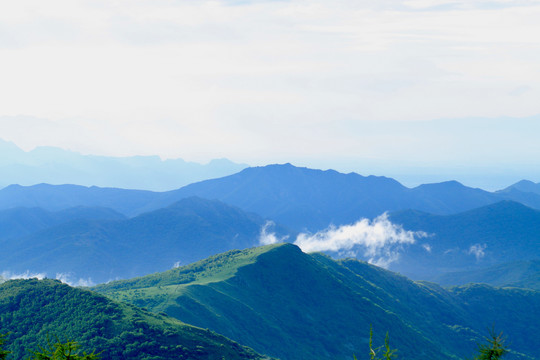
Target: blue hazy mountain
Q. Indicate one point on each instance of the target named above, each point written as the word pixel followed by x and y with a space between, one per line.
pixel 303 198
pixel 526 186
pixel 18 222
pixel 491 235
pixel 183 232
pixel 57 166
pixel 523 274
pixel 297 197
pixel 60 197
pixel 285 303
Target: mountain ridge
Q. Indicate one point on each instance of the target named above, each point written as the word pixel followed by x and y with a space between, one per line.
pixel 58 166
pixel 325 309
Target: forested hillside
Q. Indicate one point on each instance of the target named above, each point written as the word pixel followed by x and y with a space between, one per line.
pixel 32 310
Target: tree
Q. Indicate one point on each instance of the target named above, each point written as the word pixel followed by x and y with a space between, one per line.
pixel 3 353
pixel 388 353
pixel 494 348
pixel 62 351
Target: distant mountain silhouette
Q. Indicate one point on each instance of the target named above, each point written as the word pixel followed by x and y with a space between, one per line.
pixel 60 197
pixel 526 186
pixel 300 198
pixel 186 231
pixel 17 222
pixel 57 166
pixel 303 198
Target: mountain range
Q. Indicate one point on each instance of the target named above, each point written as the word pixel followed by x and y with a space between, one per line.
pixel 299 198
pixel 276 299
pixel 503 232
pixel 121 233
pixel 101 249
pixel 57 166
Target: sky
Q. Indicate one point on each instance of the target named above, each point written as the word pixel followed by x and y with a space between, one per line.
pixel 419 90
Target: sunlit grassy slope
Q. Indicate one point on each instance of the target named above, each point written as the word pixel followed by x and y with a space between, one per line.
pixel 292 305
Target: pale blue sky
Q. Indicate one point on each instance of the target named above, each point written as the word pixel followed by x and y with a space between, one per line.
pixel 347 84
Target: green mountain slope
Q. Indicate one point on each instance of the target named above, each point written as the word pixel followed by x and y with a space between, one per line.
pixel 292 305
pixel 32 309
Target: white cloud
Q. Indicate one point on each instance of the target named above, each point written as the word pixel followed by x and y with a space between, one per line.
pixel 267 237
pixel 67 278
pixel 8 275
pixel 379 241
pixel 477 250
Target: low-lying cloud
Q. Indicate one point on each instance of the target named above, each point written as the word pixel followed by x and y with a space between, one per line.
pixel 8 275
pixel 66 278
pixel 267 237
pixel 379 241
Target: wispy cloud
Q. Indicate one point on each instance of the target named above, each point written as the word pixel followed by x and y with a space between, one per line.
pixel 268 237
pixel 8 275
pixel 477 250
pixel 379 241
pixel 68 278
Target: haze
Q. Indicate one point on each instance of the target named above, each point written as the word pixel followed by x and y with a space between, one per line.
pixel 418 90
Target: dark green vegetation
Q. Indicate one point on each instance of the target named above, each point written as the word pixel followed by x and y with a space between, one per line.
pixel 503 232
pixel 494 347
pixel 523 274
pixel 3 353
pixel 299 198
pixel 186 231
pixel 292 305
pixel 69 350
pixel 32 310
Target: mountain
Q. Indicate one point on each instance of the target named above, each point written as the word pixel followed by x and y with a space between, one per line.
pixel 285 303
pixel 494 234
pixel 32 310
pixel 525 186
pixel 523 274
pixel 186 231
pixel 299 198
pixel 307 199
pixel 18 222
pixel 61 197
pixel 57 166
